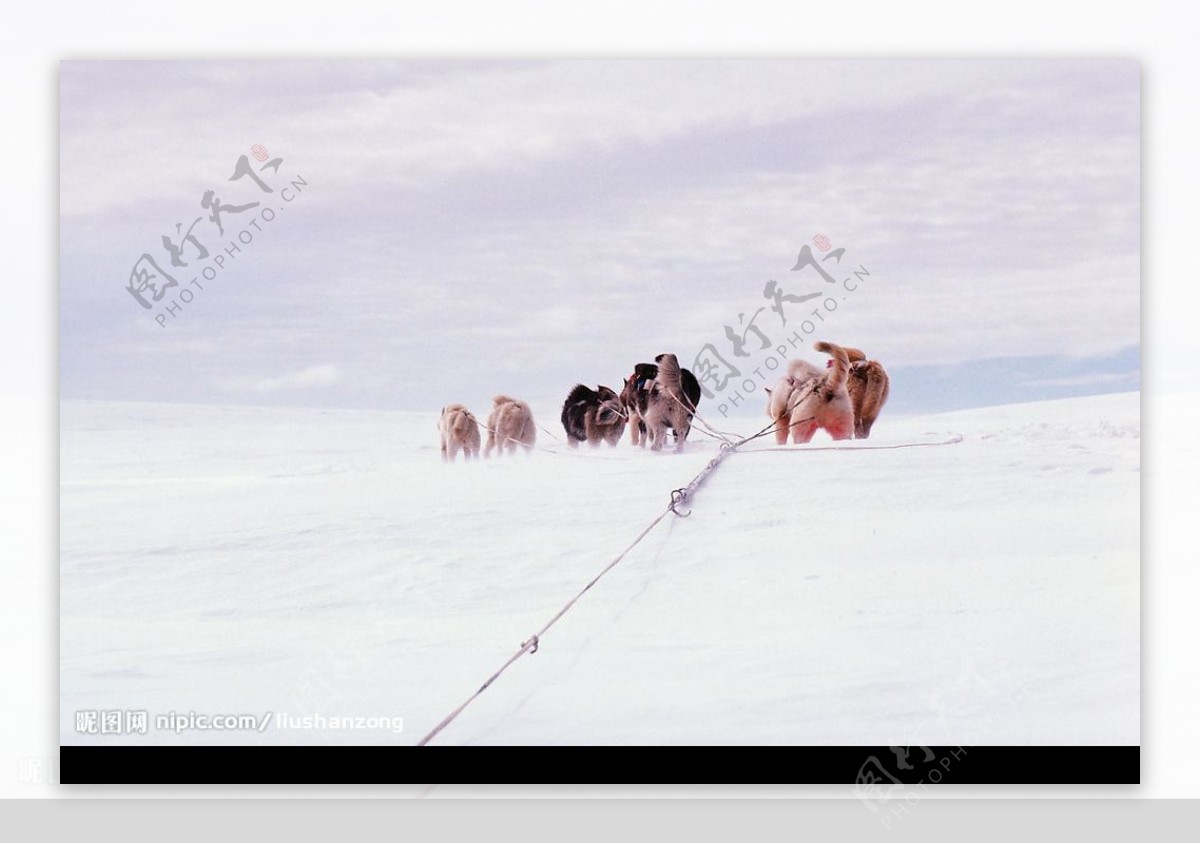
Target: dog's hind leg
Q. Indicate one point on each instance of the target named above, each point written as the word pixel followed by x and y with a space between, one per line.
pixel 803 430
pixel 681 434
pixel 781 430
pixel 528 434
pixel 595 435
pixel 657 435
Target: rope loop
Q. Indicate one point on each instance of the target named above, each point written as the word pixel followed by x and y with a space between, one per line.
pixel 678 497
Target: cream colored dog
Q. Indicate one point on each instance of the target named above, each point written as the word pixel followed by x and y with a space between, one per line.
pixel 509 425
pixel 460 431
pixel 807 399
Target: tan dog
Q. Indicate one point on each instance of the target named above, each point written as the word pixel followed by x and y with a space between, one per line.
pixel 460 431
pixel 807 399
pixel 509 425
pixel 868 386
pixel 668 408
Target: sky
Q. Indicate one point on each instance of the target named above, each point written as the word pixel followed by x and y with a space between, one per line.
pixel 442 231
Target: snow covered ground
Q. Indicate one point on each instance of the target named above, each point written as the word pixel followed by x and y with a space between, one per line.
pixel 302 562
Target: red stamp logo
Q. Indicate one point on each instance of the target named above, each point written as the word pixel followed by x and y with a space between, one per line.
pixel 260 152
pixel 823 243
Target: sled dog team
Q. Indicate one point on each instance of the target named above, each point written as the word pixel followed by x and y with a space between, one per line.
pixel 661 398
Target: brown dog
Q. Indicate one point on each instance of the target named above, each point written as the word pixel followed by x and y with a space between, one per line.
pixel 807 399
pixel 868 386
pixel 510 424
pixel 460 431
pixel 668 408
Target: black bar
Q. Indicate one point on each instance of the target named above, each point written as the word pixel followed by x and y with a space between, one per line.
pixel 866 767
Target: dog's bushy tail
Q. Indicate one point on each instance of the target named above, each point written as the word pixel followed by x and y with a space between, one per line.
pixel 503 399
pixel 573 411
pixel 579 393
pixel 461 421
pixel 515 422
pixel 836 379
pixel 691 389
pixel 670 378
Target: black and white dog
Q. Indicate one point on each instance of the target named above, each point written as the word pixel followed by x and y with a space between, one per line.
pixel 593 416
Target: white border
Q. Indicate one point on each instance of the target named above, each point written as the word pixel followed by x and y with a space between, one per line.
pixel 36 38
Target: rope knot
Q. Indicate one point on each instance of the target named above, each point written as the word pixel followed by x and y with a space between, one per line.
pixel 532 640
pixel 678 497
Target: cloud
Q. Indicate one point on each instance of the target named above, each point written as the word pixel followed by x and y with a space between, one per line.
pixel 362 123
pixel 562 220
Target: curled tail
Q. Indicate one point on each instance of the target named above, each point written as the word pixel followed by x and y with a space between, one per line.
pixel 502 400
pixel 670 377
pixel 836 377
